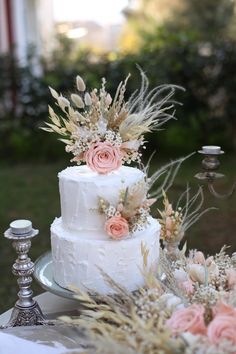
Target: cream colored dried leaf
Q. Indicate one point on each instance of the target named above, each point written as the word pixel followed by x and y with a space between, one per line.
pixel 77 100
pixel 87 99
pixel 54 93
pixel 54 128
pixel 53 116
pixel 63 102
pixel 80 83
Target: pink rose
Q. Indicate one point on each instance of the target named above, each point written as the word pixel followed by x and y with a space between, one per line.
pixel 117 227
pixel 190 319
pixel 222 327
pixel 103 157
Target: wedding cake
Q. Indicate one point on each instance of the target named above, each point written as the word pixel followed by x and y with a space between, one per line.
pixel 105 226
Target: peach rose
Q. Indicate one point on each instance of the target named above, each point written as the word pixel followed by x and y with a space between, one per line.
pixel 103 157
pixel 222 308
pixel 222 327
pixel 190 319
pixel 117 227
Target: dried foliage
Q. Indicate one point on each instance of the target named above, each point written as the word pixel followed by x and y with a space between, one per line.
pixel 176 221
pixel 92 117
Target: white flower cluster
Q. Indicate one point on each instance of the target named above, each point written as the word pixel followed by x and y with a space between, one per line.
pixel 113 138
pixel 206 295
pixel 110 211
pixel 132 157
pixel 140 220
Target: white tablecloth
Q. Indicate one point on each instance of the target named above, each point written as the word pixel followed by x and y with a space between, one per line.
pixel 10 344
pixel 40 339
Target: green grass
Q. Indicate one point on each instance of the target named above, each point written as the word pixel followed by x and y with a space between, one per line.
pixel 31 192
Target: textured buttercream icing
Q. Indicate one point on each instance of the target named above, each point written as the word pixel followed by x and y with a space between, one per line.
pixel 77 259
pixel 80 189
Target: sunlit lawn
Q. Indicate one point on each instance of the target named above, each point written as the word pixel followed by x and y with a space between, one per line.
pixel 31 192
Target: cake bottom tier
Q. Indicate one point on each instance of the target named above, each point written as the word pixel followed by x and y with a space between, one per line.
pixel 77 261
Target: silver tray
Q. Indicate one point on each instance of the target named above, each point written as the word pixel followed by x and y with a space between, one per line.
pixel 44 276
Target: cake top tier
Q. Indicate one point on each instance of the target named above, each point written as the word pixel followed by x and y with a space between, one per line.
pixel 115 203
pixel 106 132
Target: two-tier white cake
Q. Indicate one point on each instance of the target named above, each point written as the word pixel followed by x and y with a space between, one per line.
pixel 80 245
pixel 105 224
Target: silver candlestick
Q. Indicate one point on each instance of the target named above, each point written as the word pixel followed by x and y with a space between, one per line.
pixel 26 311
pixel 210 165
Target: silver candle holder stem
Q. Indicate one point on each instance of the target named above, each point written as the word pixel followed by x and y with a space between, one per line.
pixel 26 311
pixel 211 164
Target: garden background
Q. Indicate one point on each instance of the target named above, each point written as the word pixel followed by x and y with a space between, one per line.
pixel 193 45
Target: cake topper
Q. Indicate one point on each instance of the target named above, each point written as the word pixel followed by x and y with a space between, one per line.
pixel 106 132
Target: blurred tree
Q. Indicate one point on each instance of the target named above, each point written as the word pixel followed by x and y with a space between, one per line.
pixel 207 18
pixel 143 16
pixel 190 43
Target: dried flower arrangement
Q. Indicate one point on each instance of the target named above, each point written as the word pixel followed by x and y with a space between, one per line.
pixel 175 221
pixel 105 132
pixel 132 211
pixel 130 214
pixel 162 318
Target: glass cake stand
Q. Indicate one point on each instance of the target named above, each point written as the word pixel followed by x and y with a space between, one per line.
pixel 44 276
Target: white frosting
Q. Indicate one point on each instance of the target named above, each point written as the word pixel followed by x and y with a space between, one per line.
pixel 80 189
pixel 76 258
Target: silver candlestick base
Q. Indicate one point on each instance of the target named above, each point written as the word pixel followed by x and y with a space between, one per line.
pixel 26 311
